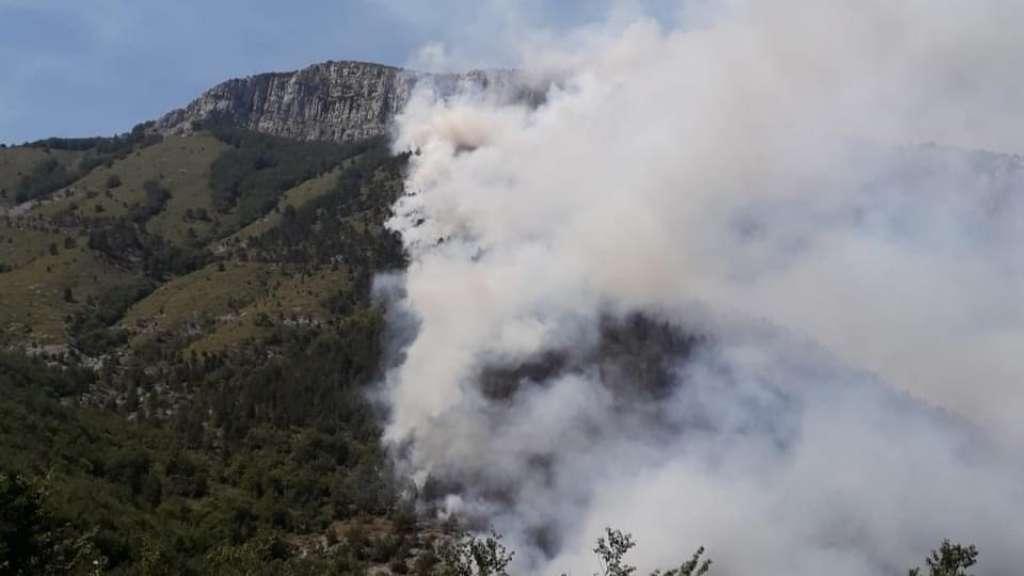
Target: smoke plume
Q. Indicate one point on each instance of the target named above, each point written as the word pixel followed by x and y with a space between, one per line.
pixel 753 282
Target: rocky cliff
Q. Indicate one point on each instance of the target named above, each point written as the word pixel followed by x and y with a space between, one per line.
pixel 339 101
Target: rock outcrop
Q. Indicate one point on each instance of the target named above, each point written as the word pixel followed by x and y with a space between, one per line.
pixel 337 101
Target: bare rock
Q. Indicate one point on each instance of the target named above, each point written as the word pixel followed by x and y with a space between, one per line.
pixel 334 101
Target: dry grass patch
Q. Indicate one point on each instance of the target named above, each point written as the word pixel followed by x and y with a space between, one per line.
pixel 18 161
pixel 33 302
pixel 292 300
pixel 196 300
pixel 180 164
pixel 21 244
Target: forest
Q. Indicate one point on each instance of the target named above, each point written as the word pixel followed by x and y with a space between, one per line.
pixel 129 454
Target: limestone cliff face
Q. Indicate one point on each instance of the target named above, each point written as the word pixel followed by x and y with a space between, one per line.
pixel 339 101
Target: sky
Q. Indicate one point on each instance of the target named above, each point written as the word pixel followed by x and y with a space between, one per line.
pixel 97 67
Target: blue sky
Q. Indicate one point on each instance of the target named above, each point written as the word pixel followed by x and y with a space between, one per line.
pixel 96 67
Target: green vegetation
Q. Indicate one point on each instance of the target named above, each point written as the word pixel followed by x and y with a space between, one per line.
pixel 156 197
pixel 32 542
pixel 465 555
pixel 127 243
pixel 21 245
pixel 92 330
pixel 150 217
pixel 18 162
pixel 201 405
pixel 949 560
pixel 35 309
pixel 253 174
pixel 102 150
pixel 143 476
pixel 46 177
pixel 294 198
pixel 112 189
pixel 101 144
pixel 50 174
pixel 358 204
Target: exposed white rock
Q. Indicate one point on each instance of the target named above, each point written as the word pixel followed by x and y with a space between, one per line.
pixel 337 101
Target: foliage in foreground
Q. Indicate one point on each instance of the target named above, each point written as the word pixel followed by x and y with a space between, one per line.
pixel 471 556
pixel 32 541
pixel 949 560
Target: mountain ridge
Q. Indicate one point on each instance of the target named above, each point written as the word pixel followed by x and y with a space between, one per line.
pixel 336 100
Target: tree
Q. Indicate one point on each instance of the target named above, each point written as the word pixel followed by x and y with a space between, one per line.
pixel 32 542
pixel 23 525
pixel 692 567
pixel 613 547
pixel 612 551
pixel 949 560
pixel 470 556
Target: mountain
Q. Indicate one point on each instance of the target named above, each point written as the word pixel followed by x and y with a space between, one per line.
pixel 335 101
pixel 189 342
pixel 187 329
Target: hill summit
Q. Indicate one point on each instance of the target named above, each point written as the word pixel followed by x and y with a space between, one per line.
pixel 339 101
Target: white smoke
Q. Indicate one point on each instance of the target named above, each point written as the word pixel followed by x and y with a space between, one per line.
pixel 759 178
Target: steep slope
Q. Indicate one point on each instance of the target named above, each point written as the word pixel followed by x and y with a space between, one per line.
pixel 336 101
pixel 165 210
pixel 186 331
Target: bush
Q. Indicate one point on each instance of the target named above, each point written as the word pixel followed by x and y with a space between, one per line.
pixel 155 200
pixel 949 560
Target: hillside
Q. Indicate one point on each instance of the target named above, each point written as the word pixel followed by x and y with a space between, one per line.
pixel 187 331
pixel 211 201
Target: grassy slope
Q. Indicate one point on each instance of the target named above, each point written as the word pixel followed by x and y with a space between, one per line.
pixel 188 161
pixel 34 307
pixel 180 164
pixel 296 198
pixel 33 292
pixel 199 298
pixel 219 306
pixel 225 307
pixel 225 301
pixel 21 244
pixel 290 300
pixel 17 162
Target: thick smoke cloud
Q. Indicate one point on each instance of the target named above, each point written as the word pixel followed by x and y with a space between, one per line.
pixel 747 284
